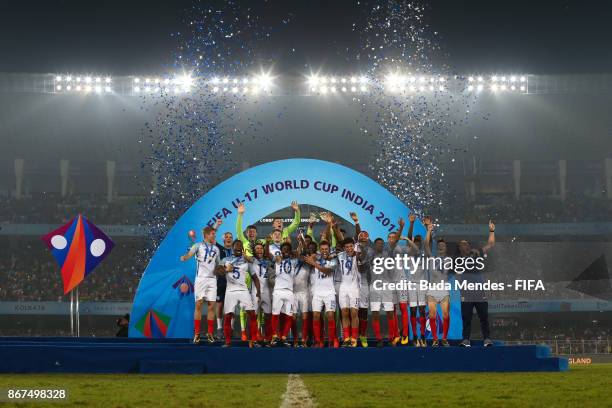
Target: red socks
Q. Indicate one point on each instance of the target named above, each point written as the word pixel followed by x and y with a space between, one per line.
pixel 404 309
pixel 331 331
pixel 268 327
pixel 354 332
pixel 346 332
pixel 363 327
pixel 445 327
pixel 413 326
pixel 196 326
pixel 275 325
pixel 316 330
pixel 422 321
pixel 287 325
pixel 376 327
pixel 294 329
pixel 211 326
pixel 433 327
pixel 305 329
pixel 227 328
pixel 392 322
pixel 253 324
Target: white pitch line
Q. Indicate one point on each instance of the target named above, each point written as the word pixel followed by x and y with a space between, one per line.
pixel 297 394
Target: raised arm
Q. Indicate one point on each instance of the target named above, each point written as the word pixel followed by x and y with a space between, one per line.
pixel 296 220
pixel 428 240
pixel 355 219
pixel 189 253
pixel 310 260
pixel 411 220
pixel 310 230
pixel 491 241
pixel 400 229
pixel 239 229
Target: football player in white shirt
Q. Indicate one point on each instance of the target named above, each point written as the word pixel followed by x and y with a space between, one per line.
pixel 349 292
pixel 302 295
pixel 438 274
pixel 237 293
pixel 381 297
pixel 274 244
pixel 260 266
pixel 205 286
pixel 416 297
pixel 282 296
pixel 323 293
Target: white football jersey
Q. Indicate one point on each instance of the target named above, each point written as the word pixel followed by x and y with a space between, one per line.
pixel 285 273
pixel 236 279
pixel 347 265
pixel 324 284
pixel 260 267
pixel 302 277
pixel 274 249
pixel 207 259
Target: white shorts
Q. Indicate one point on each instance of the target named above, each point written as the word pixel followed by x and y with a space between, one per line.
pixel 438 295
pixel 301 302
pixel 240 298
pixel 324 301
pixel 265 303
pixel 254 299
pixel 386 306
pixel 348 298
pixel 205 288
pixel 416 297
pixel 364 296
pixel 282 302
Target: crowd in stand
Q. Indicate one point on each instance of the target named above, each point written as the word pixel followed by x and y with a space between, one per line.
pixel 504 209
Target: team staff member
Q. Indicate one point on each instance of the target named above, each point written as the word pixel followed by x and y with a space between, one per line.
pixel 475 299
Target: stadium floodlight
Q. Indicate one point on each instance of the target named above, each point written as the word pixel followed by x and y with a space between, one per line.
pixel 480 79
pixel 441 88
pixel 58 78
pixel 107 80
pixel 479 88
pixel 225 80
pixel 431 87
pixel 494 78
pixel 324 89
pixel 215 89
pixel 68 78
pixel 107 88
pixel 167 81
pixel 333 80
pixel 353 80
pixel 78 87
pixel 68 88
pixel 234 90
pixel 523 79
pixel 59 87
pixel 333 89
pixel 522 88
pixel 136 89
pixel 494 87
pixel 313 80
pixel 503 78
pixel 363 80
pixel 98 88
pixel 471 79
pixel 264 81
pixel 98 80
pixel 353 89
pixel 503 87
pixel 88 88
pixel 88 80
pixel 512 78
pixel 136 80
pixel 441 79
pixel 147 80
pixel 470 88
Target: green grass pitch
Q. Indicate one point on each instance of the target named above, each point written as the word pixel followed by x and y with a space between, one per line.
pixel 584 386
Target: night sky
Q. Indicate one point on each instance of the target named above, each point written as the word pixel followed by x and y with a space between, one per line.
pixel 125 37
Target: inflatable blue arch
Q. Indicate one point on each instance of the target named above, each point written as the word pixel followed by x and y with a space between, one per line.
pixel 162 310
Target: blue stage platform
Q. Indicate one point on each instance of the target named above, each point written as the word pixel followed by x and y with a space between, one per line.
pixel 93 355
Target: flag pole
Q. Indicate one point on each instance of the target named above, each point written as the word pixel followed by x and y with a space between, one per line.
pixel 78 314
pixel 72 313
